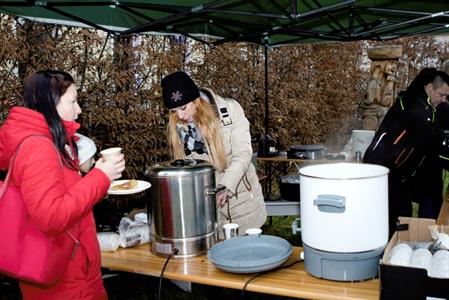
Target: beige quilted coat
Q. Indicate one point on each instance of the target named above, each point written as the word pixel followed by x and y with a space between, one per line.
pixel 246 205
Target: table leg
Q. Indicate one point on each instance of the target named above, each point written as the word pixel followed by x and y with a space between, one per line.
pixel 270 179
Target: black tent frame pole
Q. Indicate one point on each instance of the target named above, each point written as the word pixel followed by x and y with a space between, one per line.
pixel 266 90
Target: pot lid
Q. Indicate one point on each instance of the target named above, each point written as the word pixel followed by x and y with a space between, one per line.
pixel 309 148
pixel 180 167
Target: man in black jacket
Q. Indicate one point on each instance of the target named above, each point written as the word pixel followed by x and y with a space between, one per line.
pixel 409 143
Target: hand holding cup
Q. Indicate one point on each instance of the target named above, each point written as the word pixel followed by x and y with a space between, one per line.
pixel 112 163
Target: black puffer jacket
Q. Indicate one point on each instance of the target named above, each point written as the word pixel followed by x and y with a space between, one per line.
pixel 408 136
pixel 409 142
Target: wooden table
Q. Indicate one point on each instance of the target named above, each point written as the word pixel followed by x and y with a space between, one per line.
pixel 291 282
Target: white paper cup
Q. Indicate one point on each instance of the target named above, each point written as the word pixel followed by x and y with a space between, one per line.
pixel 253 231
pixel 230 230
pixel 110 153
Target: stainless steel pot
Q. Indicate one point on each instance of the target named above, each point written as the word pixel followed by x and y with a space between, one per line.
pixel 183 207
pixel 305 152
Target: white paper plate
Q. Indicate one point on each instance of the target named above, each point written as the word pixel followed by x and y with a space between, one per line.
pixel 141 186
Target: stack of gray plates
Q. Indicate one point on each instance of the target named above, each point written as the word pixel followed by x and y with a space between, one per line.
pixel 250 254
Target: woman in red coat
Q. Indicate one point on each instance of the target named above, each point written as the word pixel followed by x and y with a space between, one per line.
pixel 46 170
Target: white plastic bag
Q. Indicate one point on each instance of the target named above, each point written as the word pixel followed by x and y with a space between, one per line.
pixel 441 239
pixel 109 241
pixel 133 233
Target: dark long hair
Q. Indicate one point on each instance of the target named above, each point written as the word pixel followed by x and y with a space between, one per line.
pixel 43 91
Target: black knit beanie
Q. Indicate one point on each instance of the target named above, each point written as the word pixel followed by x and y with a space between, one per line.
pixel 178 89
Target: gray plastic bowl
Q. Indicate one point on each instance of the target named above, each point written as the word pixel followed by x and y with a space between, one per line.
pixel 250 254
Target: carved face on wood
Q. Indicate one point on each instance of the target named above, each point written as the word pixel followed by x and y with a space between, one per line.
pixel 390 71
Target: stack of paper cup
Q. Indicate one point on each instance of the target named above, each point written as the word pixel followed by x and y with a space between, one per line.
pixel 231 230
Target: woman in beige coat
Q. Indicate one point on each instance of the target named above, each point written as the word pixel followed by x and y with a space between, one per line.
pixel 203 125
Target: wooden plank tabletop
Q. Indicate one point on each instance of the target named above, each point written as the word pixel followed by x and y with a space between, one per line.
pixel 289 282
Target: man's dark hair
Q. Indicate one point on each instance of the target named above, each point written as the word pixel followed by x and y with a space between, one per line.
pixel 426 76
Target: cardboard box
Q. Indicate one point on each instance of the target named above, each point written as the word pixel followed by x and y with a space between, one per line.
pixel 398 282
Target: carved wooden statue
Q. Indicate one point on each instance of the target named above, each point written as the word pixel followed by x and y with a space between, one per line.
pixel 380 93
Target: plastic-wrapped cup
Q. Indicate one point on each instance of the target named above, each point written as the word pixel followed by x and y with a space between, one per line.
pixel 141 217
pixel 440 264
pixel 135 235
pixel 401 255
pixel 109 241
pixel 253 231
pixel 421 258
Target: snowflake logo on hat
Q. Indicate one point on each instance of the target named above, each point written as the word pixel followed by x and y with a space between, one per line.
pixel 176 96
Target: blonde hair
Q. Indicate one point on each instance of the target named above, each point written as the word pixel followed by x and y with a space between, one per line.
pixel 207 122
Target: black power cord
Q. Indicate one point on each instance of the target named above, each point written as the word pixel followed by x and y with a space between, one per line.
pixel 266 272
pixel 173 252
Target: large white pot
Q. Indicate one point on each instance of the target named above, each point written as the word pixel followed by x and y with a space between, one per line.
pixel 344 207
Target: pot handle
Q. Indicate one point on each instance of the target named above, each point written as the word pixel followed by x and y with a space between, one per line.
pixel 330 203
pixel 214 191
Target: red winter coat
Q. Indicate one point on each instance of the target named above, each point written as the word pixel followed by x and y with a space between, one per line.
pixel 58 198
